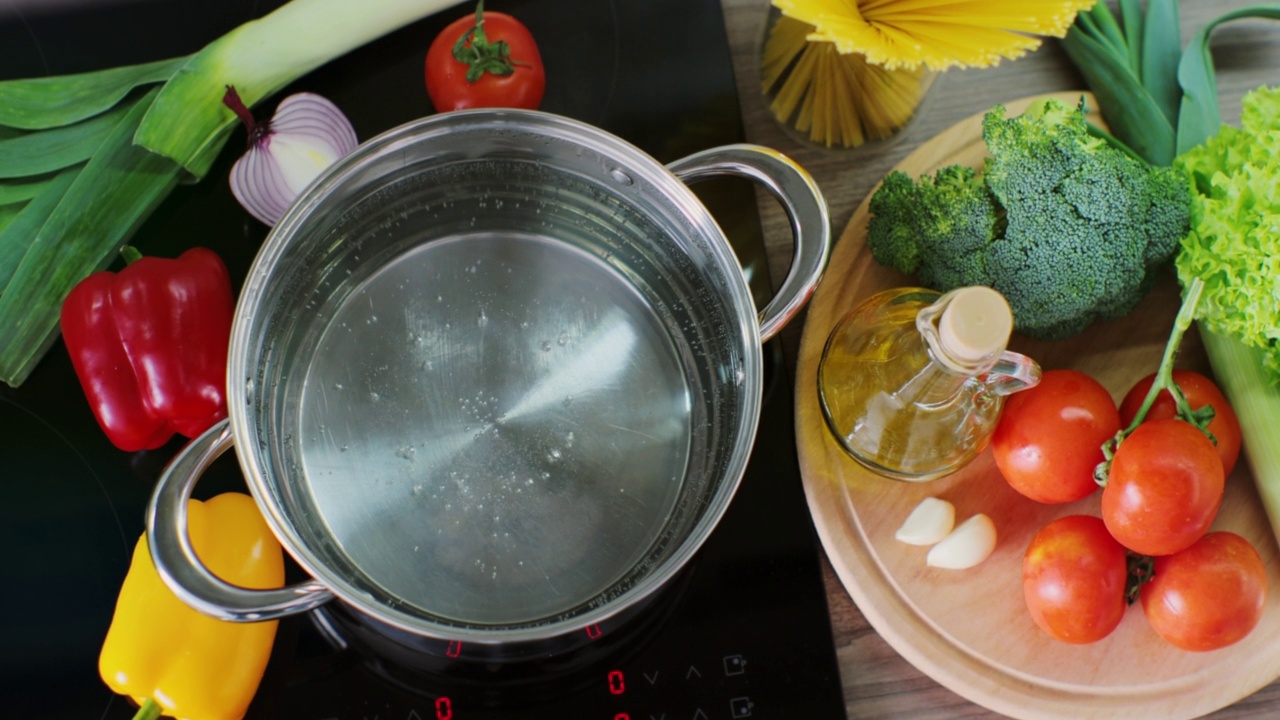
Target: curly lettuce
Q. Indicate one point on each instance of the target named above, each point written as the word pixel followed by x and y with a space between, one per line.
pixel 1234 244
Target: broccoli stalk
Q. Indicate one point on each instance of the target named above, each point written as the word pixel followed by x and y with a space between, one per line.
pixel 1067 227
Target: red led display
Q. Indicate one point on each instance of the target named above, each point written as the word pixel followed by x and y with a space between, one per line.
pixel 622 716
pixel 444 708
pixel 454 649
pixel 593 631
pixel 617 683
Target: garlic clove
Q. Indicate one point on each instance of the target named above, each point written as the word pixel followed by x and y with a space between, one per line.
pixel 967 545
pixel 928 523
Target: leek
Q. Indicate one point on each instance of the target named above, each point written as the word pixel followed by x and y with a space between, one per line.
pixel 1256 401
pixel 86 158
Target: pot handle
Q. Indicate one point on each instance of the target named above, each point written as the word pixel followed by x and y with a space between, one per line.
pixel 798 194
pixel 176 560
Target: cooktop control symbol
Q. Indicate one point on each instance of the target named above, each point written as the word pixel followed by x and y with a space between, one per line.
pixel 734 665
pixel 740 707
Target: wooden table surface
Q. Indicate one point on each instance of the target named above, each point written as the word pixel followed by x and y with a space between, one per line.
pixel 878 683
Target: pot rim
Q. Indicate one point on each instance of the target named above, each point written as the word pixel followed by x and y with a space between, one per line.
pixel 243 372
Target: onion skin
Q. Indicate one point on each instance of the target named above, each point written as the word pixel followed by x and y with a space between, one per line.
pixel 307 134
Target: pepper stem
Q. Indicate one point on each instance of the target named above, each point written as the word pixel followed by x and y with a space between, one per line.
pixel 130 254
pixel 148 711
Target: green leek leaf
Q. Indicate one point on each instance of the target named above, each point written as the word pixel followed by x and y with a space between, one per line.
pixel 8 213
pixel 1130 111
pixel 1131 18
pixel 20 191
pixel 1161 51
pixel 1199 117
pixel 40 103
pixel 53 149
pixel 1107 31
pixel 17 236
pixel 109 198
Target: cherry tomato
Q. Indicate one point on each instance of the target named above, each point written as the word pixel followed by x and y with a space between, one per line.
pixel 1207 596
pixel 516 80
pixel 1049 438
pixel 1164 488
pixel 1073 579
pixel 1200 391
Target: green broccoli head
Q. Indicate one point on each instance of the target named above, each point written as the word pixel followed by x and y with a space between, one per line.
pixel 937 228
pixel 1061 272
pixel 1068 227
pixel 1087 225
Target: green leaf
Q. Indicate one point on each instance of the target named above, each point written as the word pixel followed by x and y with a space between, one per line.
pixel 1130 112
pixel 8 213
pixel 102 207
pixel 1199 117
pixel 16 238
pixel 40 103
pixel 1108 32
pixel 50 150
pixel 20 191
pixel 1161 51
pixel 1131 17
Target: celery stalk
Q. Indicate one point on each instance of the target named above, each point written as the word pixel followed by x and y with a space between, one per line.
pixel 258 59
pixel 1256 401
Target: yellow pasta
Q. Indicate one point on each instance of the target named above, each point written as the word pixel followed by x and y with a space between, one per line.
pixel 938 34
pixel 837 99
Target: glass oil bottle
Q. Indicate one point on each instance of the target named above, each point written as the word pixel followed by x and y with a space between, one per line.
pixel 911 381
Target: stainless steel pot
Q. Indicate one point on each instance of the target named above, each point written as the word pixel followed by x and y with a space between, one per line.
pixel 493 378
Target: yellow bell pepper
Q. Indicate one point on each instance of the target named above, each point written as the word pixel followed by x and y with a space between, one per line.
pixel 161 652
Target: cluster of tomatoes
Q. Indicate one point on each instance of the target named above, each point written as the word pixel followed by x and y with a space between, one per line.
pixel 1162 486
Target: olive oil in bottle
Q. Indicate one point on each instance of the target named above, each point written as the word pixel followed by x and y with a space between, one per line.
pixel 911 382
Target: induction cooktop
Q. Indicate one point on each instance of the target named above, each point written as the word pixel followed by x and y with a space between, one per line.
pixel 742 632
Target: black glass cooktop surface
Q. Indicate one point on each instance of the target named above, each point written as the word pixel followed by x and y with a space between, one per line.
pixel 742 632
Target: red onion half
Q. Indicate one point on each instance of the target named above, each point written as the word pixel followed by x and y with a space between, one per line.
pixel 306 135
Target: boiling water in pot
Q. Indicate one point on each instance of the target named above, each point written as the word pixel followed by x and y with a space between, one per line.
pixel 498 413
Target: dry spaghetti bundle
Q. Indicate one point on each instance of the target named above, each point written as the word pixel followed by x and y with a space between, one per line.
pixel 848 71
pixel 837 99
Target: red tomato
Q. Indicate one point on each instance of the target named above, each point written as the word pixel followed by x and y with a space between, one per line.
pixel 1164 488
pixel 1073 579
pixel 1208 596
pixel 516 80
pixel 1049 438
pixel 1200 391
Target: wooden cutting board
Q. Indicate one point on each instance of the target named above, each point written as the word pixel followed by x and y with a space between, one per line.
pixel 970 630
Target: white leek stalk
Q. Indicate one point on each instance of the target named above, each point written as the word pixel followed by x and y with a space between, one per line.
pixel 1239 370
pixel 188 121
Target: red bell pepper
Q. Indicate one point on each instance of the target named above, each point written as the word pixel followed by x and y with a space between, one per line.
pixel 149 345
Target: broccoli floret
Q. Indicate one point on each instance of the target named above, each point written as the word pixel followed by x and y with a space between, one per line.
pixel 936 229
pixel 1068 228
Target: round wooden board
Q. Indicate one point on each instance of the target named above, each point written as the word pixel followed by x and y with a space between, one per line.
pixel 970 630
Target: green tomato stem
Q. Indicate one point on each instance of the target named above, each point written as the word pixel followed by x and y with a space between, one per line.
pixel 1164 375
pixel 482 56
pixel 1163 381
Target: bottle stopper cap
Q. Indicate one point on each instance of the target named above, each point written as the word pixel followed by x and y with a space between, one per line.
pixel 975 325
